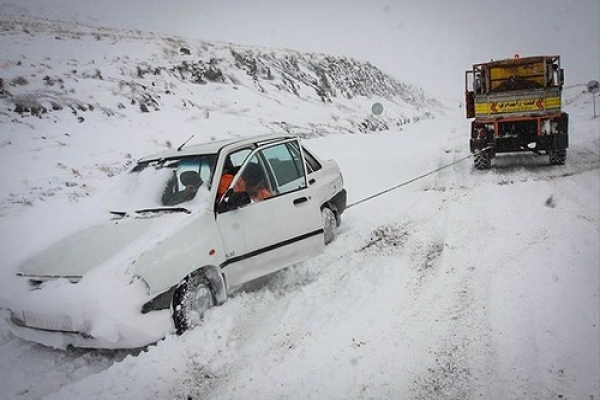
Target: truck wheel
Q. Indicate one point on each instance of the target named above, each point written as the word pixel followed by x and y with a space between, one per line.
pixel 482 160
pixel 558 157
pixel 329 224
pixel 192 298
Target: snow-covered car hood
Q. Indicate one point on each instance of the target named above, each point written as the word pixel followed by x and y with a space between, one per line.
pixel 104 308
pixel 118 240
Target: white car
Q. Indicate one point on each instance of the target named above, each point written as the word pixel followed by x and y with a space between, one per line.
pixel 194 227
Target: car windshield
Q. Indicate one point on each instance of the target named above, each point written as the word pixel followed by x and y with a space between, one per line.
pixel 166 183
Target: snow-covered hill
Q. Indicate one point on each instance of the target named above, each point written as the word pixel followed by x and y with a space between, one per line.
pixel 462 285
pixel 141 70
pixel 167 65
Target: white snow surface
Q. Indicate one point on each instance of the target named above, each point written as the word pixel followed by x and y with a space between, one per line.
pixel 462 285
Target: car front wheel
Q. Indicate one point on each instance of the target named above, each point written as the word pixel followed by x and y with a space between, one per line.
pixel 192 298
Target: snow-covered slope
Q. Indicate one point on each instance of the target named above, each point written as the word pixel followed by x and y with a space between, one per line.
pixel 462 285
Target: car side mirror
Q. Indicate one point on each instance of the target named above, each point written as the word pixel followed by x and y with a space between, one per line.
pixel 233 200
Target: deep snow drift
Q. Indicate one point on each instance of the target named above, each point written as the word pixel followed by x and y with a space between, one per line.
pixel 465 284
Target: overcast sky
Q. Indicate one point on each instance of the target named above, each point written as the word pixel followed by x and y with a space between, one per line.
pixel 427 42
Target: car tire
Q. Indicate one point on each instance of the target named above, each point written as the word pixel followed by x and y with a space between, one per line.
pixel 329 225
pixel 192 298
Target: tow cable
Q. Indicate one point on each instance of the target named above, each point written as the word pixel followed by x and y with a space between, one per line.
pixel 409 181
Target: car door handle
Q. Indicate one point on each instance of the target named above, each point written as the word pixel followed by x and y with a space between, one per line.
pixel 300 200
pixel 312 181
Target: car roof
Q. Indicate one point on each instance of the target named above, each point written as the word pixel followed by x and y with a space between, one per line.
pixel 214 147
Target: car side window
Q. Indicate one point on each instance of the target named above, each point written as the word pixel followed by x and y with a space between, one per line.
pixel 286 167
pixel 238 157
pixel 311 161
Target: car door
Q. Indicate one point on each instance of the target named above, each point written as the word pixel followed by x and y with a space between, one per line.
pixel 284 228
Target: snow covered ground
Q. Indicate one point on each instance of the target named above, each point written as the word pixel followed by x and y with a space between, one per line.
pixel 462 285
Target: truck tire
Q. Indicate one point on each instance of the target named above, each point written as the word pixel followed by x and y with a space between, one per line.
pixel 192 298
pixel 482 160
pixel 558 157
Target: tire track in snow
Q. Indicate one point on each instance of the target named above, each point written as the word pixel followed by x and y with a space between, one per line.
pixel 448 289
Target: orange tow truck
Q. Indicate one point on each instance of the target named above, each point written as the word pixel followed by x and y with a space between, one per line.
pixel 516 104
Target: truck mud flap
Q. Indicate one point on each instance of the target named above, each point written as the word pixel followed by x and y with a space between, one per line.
pixel 561 141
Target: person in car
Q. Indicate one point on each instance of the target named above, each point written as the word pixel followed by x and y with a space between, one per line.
pixel 192 182
pixel 227 178
pixel 255 182
pixel 252 181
